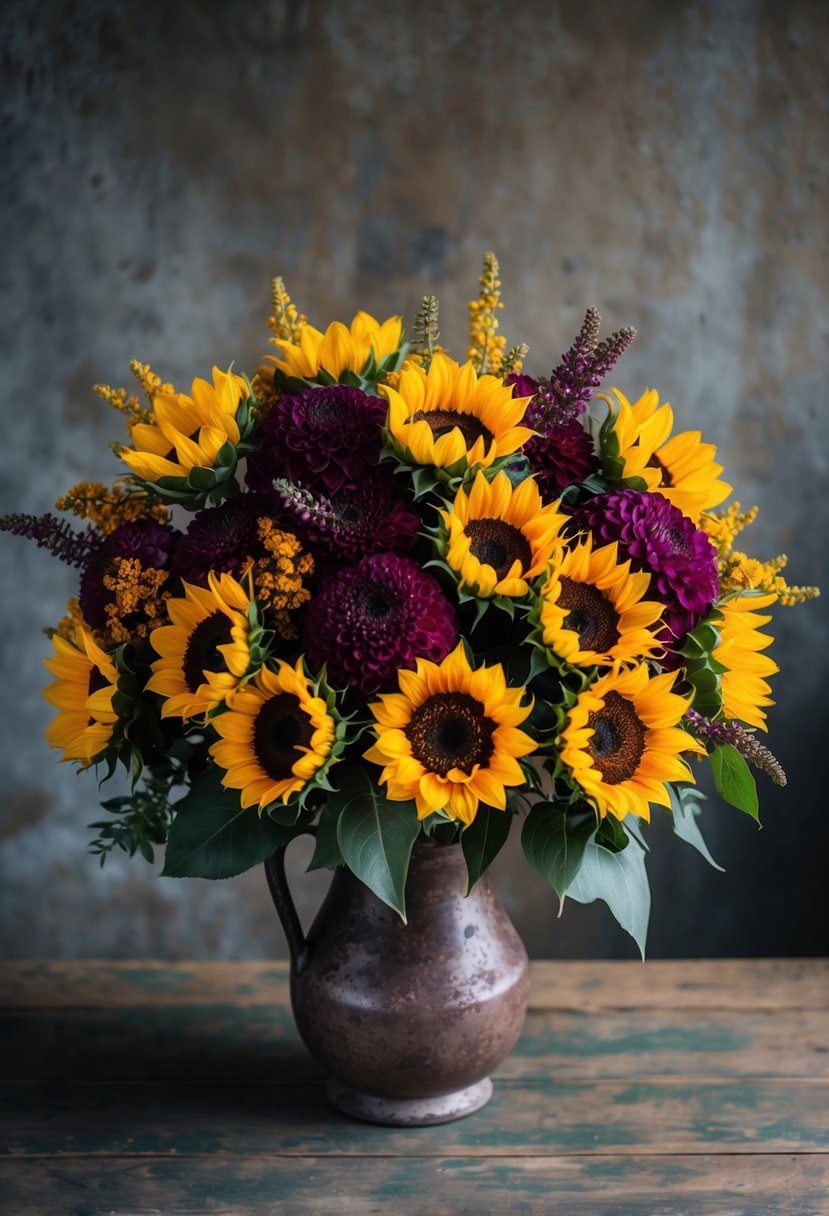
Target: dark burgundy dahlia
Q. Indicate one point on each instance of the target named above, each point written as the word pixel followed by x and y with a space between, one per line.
pixel 321 438
pixel 659 539
pixel 150 544
pixel 220 538
pixel 564 454
pixel 354 522
pixel 374 618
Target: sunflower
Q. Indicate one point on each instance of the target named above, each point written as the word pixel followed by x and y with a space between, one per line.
pixel 593 610
pixel 450 415
pixel 499 537
pixel 205 652
pixel 745 688
pixel 187 432
pixel 339 349
pixel 449 738
pixel 622 743
pixel 83 692
pixel 275 738
pixel 681 468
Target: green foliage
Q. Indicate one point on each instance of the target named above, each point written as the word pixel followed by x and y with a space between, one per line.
pixel 554 839
pixel 211 835
pixel 483 840
pixel 139 821
pixel 375 836
pixel 327 854
pixel 734 780
pixel 685 807
pixel 621 881
pixel 702 671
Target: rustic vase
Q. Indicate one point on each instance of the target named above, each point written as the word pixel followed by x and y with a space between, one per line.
pixel 408 1019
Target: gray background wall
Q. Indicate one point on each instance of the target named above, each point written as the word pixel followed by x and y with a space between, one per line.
pixel 664 161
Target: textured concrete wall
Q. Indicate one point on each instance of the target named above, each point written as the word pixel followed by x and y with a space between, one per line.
pixel 664 161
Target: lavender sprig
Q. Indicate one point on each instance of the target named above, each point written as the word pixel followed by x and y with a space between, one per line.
pixel 56 535
pixel 744 741
pixel 566 394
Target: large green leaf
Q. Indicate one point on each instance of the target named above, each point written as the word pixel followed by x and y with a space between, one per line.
pixel 620 879
pixel 554 840
pixel 327 853
pixel 483 840
pixel 685 805
pixel 212 837
pixel 376 837
pixel 733 779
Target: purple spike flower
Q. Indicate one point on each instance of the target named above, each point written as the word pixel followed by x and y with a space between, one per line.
pixel 747 744
pixel 355 521
pixel 56 535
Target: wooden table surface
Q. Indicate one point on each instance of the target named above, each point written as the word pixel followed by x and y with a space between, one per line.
pixel 673 1087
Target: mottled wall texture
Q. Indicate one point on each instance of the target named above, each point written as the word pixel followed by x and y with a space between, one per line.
pixel 664 161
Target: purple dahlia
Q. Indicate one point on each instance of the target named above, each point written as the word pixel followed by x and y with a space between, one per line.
pixel 354 522
pixel 152 544
pixel 321 438
pixel 564 454
pixel 220 538
pixel 373 619
pixel 659 539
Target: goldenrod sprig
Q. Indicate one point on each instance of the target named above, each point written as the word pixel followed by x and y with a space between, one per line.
pixel 287 322
pixel 486 345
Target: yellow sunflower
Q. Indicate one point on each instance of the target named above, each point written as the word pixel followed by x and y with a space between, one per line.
pixel 744 684
pixel 186 432
pixel 449 738
pixel 450 414
pixel 275 737
pixel 204 653
pixel 681 468
pixel 622 742
pixel 82 693
pixel 593 610
pixel 499 536
pixel 339 349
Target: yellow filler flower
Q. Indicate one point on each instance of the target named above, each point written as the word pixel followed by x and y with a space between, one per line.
pixel 204 652
pixel 622 743
pixel 593 610
pixel 450 415
pixel 681 468
pixel 340 349
pixel 500 537
pixel 86 682
pixel 275 738
pixel 449 738
pixel 745 687
pixel 187 432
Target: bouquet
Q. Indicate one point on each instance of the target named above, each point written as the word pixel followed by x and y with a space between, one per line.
pixel 375 594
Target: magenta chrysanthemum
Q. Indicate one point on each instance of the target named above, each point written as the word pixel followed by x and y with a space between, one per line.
pixel 151 544
pixel 320 438
pixel 375 618
pixel 356 521
pixel 659 539
pixel 220 539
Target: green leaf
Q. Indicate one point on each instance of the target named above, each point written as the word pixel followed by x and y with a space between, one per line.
pixel 611 835
pixel 554 840
pixel 327 854
pixel 733 779
pixel 483 840
pixel 376 838
pixel 211 835
pixel 685 800
pixel 201 478
pixel 621 881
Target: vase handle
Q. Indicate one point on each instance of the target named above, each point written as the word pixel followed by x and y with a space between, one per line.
pixel 286 909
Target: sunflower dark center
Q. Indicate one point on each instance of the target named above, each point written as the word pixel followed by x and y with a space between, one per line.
pixel 498 544
pixel 618 741
pixel 589 615
pixel 441 422
pixel 281 728
pixel 202 653
pixel 450 730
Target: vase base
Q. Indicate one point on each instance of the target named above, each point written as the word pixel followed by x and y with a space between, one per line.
pixel 408 1112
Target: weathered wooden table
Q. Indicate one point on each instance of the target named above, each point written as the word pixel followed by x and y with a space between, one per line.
pixel 683 1087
